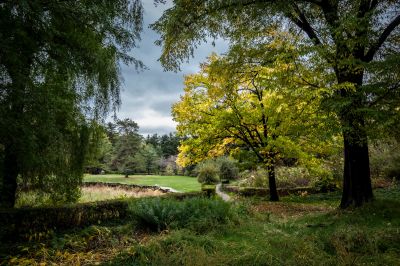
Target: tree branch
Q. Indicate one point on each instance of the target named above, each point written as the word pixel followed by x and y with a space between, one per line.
pixel 385 34
pixel 302 22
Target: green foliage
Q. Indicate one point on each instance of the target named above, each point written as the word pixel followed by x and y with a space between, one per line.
pixel 227 169
pixel 291 177
pixel 210 190
pixel 59 72
pixel 346 51
pixel 300 230
pixel 32 198
pixel 207 172
pixel 325 184
pixel 146 160
pixel 385 159
pixel 197 214
pixel 20 222
pixel 254 178
pixel 169 169
pixel 128 142
pixel 99 150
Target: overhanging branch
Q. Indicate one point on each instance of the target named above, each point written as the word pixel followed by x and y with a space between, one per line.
pixel 385 34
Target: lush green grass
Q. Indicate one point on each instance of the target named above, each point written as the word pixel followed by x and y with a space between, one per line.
pixel 180 183
pixel 306 230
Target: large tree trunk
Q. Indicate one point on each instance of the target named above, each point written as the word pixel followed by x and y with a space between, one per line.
pixel 357 187
pixel 273 192
pixel 9 180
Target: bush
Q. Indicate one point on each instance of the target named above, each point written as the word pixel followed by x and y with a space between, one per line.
pixel 385 159
pixel 208 189
pixel 198 214
pixel 128 172
pixel 227 169
pixel 170 170
pixel 207 172
pixel 325 185
pixel 254 178
pixel 291 177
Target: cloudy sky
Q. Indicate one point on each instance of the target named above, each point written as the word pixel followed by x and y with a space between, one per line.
pixel 147 96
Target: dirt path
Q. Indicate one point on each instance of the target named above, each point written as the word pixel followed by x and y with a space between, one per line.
pixel 223 195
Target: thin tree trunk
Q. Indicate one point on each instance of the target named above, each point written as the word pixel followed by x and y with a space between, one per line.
pixel 9 180
pixel 273 192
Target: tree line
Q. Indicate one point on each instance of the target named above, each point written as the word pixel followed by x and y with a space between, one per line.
pixel 117 147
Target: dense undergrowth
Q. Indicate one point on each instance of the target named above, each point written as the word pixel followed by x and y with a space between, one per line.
pixel 299 230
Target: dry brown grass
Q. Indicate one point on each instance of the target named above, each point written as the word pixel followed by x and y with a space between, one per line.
pixel 100 192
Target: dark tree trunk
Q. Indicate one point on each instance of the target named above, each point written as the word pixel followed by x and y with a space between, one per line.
pixel 273 192
pixel 19 71
pixel 9 182
pixel 357 187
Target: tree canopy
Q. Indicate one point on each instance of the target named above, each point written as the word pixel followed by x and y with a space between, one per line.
pixel 357 42
pixel 268 110
pixel 59 70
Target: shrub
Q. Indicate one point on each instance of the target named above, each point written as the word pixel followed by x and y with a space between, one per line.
pixel 207 172
pixel 385 159
pixel 128 172
pixel 325 184
pixel 254 178
pixel 208 189
pixel 291 177
pixel 228 169
pixel 169 169
pixel 198 214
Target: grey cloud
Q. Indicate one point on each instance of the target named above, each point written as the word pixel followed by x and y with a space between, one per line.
pixel 147 95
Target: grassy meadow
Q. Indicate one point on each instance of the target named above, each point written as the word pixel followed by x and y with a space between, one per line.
pixel 179 183
pixel 299 230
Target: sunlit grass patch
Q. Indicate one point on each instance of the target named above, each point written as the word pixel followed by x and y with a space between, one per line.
pixel 179 183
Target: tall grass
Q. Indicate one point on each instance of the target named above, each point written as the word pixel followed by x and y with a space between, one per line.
pixel 88 194
pixel 198 214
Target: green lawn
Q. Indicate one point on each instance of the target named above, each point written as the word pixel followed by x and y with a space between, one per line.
pixel 180 183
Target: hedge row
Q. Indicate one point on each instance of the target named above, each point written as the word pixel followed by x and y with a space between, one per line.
pixel 17 222
pixel 183 195
pixel 20 222
pixel 255 191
